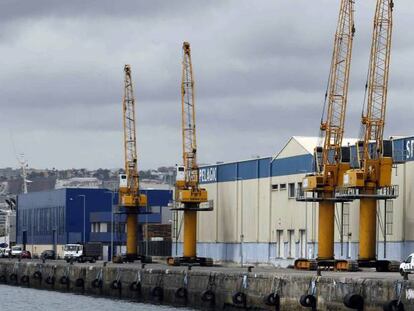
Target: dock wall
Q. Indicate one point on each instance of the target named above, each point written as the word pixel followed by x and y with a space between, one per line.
pixel 161 285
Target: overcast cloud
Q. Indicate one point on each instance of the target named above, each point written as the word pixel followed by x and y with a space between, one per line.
pixel 260 70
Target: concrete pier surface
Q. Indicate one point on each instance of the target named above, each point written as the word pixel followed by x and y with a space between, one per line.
pixel 263 288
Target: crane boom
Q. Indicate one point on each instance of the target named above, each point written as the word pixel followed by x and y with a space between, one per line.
pixel 188 120
pixel 373 118
pixel 130 140
pixel 333 127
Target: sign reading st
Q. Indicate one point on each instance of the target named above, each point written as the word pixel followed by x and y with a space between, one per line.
pixel 409 149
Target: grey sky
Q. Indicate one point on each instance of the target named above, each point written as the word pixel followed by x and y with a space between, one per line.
pixel 260 70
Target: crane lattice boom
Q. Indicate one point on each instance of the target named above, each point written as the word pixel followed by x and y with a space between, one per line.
pixel 188 120
pixel 373 118
pixel 130 143
pixel 333 127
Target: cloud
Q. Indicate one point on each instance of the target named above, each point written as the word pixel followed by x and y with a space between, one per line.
pixel 260 71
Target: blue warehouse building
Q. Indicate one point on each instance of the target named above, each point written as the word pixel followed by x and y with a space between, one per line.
pixel 51 219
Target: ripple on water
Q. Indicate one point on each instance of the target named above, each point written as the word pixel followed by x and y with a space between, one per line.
pixel 19 298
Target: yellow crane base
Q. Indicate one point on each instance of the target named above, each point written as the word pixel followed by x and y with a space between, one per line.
pixel 132 258
pixel 346 265
pixel 185 261
pixel 380 265
pixel 326 264
pixel 306 264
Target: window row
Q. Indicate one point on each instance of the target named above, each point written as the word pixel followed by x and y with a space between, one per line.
pixel 291 187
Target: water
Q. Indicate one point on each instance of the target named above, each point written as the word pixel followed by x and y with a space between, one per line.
pixel 19 298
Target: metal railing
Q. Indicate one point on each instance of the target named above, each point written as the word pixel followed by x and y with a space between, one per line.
pixel 390 192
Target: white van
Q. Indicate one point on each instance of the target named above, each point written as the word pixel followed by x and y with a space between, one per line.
pixel 16 251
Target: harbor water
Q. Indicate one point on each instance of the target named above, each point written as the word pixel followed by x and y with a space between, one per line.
pixel 20 298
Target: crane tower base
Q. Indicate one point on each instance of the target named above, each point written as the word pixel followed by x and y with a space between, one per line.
pixel 185 261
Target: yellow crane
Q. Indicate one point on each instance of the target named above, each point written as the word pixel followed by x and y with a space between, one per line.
pixel 371 181
pixel 331 159
pixel 188 193
pixel 130 199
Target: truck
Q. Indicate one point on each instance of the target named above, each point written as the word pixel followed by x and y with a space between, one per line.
pixel 91 252
pixel 407 266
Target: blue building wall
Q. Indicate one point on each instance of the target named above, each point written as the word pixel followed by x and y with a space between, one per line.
pixel 300 164
pixel 59 217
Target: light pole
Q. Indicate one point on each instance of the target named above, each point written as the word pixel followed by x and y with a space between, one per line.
pixel 241 223
pixel 84 217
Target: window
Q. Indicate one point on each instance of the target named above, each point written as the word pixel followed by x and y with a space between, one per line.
pixel 275 187
pixel 389 215
pixel 302 243
pixel 345 220
pixel 280 244
pixel 291 243
pixel 291 192
pixel 155 209
pixel 103 227
pixel 282 187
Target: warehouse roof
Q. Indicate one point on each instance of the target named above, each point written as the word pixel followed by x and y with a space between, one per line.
pixel 299 145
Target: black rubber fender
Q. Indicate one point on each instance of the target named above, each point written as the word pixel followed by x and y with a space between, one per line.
pixel 308 301
pixel 3 279
pixel 116 284
pixel 239 298
pixel 24 279
pixel 64 280
pixel 181 293
pixel 208 296
pixel 354 301
pixel 37 275
pixel 135 286
pixel 97 283
pixel 272 299
pixel 50 280
pixel 157 292
pixel 393 305
pixel 79 282
pixel 13 277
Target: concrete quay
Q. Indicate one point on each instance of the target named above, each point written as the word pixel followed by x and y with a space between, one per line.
pixel 263 288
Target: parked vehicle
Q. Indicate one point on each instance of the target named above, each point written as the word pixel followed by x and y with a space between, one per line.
pixel 5 252
pixel 25 255
pixel 83 252
pixel 48 254
pixel 407 266
pixel 16 251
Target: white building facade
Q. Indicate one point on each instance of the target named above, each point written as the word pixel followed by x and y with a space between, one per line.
pixel 256 218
